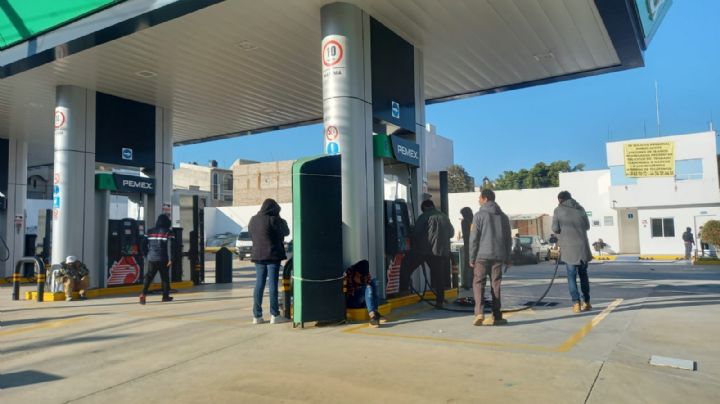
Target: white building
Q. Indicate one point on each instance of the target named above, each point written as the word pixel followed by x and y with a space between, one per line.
pixel 641 215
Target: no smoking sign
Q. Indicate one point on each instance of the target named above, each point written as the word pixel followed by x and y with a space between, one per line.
pixel 331 133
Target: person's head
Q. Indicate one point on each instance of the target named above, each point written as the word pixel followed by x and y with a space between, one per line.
pixel 427 205
pixel 71 260
pixel 163 221
pixel 687 229
pixel 564 196
pixel 487 195
pixel 517 235
pixel 360 270
pixel 270 207
pixel 600 240
pixel 466 213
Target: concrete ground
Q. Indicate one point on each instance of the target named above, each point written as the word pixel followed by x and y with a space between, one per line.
pixel 203 348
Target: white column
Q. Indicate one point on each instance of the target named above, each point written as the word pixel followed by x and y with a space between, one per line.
pixel 347 106
pixel 163 165
pixel 14 232
pixel 74 192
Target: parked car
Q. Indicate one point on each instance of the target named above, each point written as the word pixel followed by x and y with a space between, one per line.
pixel 532 249
pixel 243 245
pixel 221 240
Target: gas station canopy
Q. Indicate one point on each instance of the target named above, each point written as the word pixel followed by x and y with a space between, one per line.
pixel 228 68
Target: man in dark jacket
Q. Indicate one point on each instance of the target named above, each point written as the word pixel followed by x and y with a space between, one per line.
pixel 429 242
pixel 267 230
pixel 490 248
pixel 571 223
pixel 465 223
pixel 156 247
pixel 689 240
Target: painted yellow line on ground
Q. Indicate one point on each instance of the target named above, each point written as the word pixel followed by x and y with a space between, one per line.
pixel 46 324
pixel 575 338
pixel 564 347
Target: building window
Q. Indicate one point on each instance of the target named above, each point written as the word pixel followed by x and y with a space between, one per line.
pixel 688 169
pixel 664 227
pixel 596 223
pixel 227 182
pixel 215 186
pixel 617 176
pixel 608 221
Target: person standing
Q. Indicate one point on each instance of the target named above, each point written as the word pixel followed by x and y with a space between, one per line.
pixel 465 223
pixel 429 243
pixel 267 230
pixel 156 247
pixel 688 241
pixel 571 223
pixel 490 248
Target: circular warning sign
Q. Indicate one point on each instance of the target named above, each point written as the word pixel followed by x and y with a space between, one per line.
pixel 332 53
pixel 331 133
pixel 60 119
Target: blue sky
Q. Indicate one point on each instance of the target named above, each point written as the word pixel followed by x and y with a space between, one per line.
pixel 570 120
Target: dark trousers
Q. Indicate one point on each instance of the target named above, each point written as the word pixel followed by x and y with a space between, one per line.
pixel 439 271
pixel 153 268
pixel 483 269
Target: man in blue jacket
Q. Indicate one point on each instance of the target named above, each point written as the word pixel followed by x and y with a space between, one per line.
pixel 156 247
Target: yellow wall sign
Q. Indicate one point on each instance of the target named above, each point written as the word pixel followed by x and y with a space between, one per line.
pixel 649 159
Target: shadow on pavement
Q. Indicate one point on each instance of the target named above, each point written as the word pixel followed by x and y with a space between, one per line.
pixel 24 378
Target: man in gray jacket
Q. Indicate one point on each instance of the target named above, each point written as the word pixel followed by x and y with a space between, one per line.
pixel 570 223
pixel 490 246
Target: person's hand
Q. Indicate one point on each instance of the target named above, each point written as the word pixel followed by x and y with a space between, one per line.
pixel 471 264
pixel 169 264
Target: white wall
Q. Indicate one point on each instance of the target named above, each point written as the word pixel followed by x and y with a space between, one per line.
pixel 512 202
pixel 33 208
pixel 592 190
pixel 666 191
pixel 439 153
pixel 692 217
pixel 232 219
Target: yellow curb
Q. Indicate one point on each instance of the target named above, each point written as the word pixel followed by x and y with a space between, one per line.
pixel 662 257
pixel 23 280
pixel 120 290
pixel 706 261
pixel 394 303
pixel 605 257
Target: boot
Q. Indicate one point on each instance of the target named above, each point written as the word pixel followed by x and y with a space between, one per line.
pixel 478 320
pixel 576 307
pixel 374 320
pixel 586 306
pixel 142 299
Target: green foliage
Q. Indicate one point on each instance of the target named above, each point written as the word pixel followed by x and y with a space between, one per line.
pixel 459 180
pixel 541 175
pixel 711 232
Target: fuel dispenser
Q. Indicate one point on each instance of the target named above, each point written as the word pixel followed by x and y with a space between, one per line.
pixel 124 255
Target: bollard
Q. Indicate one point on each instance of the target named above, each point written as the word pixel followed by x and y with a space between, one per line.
pixel 39 267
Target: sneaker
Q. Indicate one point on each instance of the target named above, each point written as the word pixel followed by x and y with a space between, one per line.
pixel 83 297
pixel 478 320
pixel 586 306
pixel 499 321
pixel 142 299
pixel 278 319
pixel 258 320
pixel 576 307
pixel 68 298
pixel 167 299
pixel 381 318
pixel 374 322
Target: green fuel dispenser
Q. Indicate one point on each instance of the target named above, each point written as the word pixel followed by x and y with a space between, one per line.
pixel 318 271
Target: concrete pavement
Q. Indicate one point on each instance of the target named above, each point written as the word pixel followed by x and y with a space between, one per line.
pixel 203 347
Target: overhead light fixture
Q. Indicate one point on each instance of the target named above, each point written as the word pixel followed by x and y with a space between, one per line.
pixel 544 57
pixel 269 110
pixel 246 45
pixel 34 105
pixel 146 74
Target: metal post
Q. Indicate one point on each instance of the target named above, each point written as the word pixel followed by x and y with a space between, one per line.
pixel 39 268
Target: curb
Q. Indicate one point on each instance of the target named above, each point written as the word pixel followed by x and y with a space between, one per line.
pixel 120 290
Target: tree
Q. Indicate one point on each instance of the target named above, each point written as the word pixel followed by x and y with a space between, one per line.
pixel 541 175
pixel 711 232
pixel 459 180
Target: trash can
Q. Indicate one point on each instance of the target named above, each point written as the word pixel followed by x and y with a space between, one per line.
pixel 223 266
pixel 29 269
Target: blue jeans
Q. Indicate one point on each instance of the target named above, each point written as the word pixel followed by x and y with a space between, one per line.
pixel 368 299
pixel 572 272
pixel 262 270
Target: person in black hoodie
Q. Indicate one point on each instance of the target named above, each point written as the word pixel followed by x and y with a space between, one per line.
pixel 465 223
pixel 267 230
pixel 156 248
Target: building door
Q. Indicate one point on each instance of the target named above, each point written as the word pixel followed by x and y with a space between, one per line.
pixel 629 231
